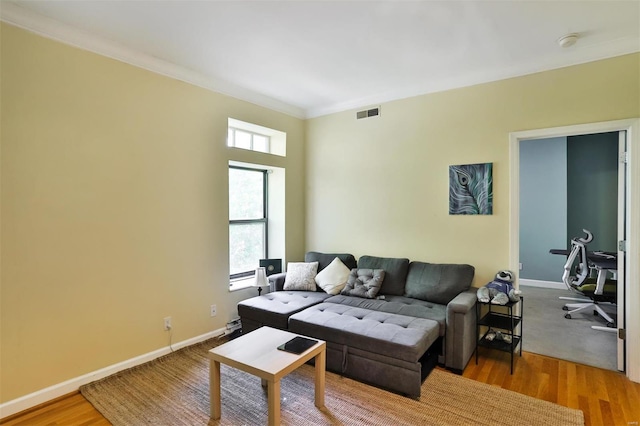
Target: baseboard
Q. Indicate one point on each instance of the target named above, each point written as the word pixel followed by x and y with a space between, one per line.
pixel 544 284
pixel 36 398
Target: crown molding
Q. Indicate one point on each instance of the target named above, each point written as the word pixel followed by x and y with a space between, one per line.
pixel 576 56
pixel 18 16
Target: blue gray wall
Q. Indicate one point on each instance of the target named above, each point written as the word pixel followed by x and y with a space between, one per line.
pixel 566 184
pixel 543 207
pixel 592 188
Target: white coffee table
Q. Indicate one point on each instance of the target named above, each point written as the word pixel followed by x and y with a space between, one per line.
pixel 257 353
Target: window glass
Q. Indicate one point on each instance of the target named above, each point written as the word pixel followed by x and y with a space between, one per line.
pixel 246 194
pixel 242 139
pixel 260 143
pixel 246 247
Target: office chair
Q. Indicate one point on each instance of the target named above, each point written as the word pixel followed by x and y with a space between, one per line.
pixel 598 290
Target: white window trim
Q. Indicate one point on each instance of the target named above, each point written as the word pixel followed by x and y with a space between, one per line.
pixel 241 283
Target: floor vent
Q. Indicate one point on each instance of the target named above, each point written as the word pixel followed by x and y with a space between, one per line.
pixel 374 112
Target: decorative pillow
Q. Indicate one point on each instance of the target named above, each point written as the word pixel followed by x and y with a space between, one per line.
pixel 301 276
pixel 364 283
pixel 333 278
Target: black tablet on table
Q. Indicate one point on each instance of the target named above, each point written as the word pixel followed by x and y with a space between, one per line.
pixel 297 345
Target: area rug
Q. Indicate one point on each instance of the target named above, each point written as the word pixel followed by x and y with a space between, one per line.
pixel 174 390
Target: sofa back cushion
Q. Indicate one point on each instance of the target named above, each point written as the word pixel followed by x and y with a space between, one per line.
pixel 324 259
pixel 438 283
pixel 395 272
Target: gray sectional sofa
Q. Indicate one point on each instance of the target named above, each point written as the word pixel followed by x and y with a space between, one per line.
pixel 423 312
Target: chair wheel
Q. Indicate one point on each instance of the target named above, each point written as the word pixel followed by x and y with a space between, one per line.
pixel 564 308
pixel 568 316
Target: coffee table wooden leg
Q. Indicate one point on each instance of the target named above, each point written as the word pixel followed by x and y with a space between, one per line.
pixel 274 402
pixel 321 360
pixel 214 389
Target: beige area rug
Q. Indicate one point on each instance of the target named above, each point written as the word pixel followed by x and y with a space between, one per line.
pixel 174 390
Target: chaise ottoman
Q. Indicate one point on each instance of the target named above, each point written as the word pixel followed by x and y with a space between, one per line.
pixel 273 309
pixel 385 349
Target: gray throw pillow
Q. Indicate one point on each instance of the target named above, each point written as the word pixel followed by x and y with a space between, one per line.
pixel 364 283
pixel 438 283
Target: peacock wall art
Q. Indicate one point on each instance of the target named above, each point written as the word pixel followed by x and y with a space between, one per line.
pixel 471 189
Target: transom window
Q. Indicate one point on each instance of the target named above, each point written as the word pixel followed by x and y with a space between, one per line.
pixel 248 221
pixel 245 139
pixel 254 137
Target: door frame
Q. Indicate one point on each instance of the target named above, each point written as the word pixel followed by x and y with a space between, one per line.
pixel 632 269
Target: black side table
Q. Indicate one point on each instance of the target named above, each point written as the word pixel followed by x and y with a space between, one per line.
pixel 500 318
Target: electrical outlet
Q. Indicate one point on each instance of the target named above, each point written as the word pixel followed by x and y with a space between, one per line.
pixel 167 323
pixel 214 311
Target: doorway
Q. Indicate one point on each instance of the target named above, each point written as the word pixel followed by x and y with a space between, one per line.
pixel 568 184
pixel 629 316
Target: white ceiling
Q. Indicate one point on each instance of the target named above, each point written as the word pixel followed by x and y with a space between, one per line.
pixel 310 58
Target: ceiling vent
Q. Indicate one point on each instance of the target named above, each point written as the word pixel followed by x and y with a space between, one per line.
pixel 373 112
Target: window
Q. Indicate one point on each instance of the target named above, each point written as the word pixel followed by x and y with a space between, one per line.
pixel 248 140
pixel 257 138
pixel 248 222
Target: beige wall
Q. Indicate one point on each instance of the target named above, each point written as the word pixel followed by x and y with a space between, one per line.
pixel 114 209
pixel 379 186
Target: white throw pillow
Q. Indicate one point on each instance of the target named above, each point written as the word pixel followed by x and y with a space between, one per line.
pixel 301 276
pixel 333 278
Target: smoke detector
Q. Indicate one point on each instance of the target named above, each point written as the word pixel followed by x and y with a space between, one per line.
pixel 568 40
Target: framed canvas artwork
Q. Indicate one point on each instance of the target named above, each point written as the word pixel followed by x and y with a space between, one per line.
pixel 471 189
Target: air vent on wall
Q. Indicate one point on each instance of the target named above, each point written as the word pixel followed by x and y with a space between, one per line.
pixel 374 112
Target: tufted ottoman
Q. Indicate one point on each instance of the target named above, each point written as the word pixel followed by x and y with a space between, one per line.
pixel 273 309
pixel 385 349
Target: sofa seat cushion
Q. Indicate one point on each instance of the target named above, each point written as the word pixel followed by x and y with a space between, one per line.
pixel 395 336
pixel 398 305
pixel 274 309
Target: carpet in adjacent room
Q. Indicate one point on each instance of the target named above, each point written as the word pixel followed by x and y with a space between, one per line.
pixel 547 332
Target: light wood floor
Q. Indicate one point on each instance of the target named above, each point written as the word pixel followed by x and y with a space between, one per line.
pixel 605 397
